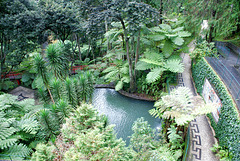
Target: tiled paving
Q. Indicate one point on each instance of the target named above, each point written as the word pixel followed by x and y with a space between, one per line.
pixel 201 135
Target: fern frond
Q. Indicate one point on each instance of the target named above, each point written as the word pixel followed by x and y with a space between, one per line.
pixel 19 150
pixel 110 33
pixel 154 75
pixel 125 79
pixel 153 62
pixel 7 143
pixel 155 113
pixel 146 41
pixel 153 55
pixel 110 69
pixel 112 75
pixel 144 66
pixel 29 125
pixel 27 104
pixel 124 70
pixel 174 66
pixel 175 57
pixel 119 86
pixel 6 131
pixel 184 119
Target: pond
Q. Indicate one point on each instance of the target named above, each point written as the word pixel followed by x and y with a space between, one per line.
pixel 123 111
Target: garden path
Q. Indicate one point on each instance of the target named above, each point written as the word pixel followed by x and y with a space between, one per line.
pixel 201 134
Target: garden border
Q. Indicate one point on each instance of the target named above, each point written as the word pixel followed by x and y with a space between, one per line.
pixel 228 127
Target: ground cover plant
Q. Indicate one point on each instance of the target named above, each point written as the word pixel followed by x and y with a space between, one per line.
pixel 133 44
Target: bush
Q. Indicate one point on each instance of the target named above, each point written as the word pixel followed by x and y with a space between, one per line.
pixel 228 127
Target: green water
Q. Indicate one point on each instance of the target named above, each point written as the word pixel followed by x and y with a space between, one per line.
pixel 123 111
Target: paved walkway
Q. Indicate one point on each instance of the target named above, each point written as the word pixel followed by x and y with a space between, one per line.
pixel 201 133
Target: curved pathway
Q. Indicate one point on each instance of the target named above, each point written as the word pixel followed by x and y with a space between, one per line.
pixel 201 134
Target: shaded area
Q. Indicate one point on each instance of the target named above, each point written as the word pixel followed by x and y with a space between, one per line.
pixel 227 67
pixel 123 111
pixel 24 93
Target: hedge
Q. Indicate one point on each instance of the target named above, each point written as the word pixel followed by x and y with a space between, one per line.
pixel 227 128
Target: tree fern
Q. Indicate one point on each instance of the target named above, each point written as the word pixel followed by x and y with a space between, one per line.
pixel 6 131
pixel 174 66
pixel 112 75
pixel 154 75
pixel 109 69
pixel 180 106
pixel 141 65
pixel 6 143
pixel 29 125
pixel 19 151
pixel 119 85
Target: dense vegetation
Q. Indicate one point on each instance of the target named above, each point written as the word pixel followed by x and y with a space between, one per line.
pixel 134 44
pixel 228 118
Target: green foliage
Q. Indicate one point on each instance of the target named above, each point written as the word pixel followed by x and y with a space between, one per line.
pixel 221 152
pixel 49 124
pixel 158 64
pixel 43 153
pixel 142 138
pixel 203 49
pixel 181 106
pixel 85 137
pixel 6 85
pixel 17 126
pixel 152 89
pixel 222 22
pixel 228 118
pixel 57 60
pixel 41 68
pixel 169 36
pixel 150 145
pixel 19 33
pixel 117 73
pixel 175 139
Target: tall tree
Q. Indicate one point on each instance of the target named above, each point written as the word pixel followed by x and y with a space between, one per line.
pixel 18 32
pixel 132 16
pixel 223 16
pixel 58 16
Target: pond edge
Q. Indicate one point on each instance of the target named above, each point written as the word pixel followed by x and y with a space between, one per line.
pixel 124 93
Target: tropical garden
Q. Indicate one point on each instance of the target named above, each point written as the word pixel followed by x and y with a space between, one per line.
pixel 63 48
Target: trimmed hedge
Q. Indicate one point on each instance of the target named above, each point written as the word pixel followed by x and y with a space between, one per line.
pixel 227 128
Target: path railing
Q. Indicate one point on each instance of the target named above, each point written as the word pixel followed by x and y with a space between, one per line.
pixel 229 78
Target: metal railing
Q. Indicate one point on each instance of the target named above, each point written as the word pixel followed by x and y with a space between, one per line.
pixel 230 77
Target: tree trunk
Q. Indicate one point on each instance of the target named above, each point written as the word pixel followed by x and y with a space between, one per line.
pixel 185 132
pixel 79 49
pixel 210 37
pixel 137 55
pixel 132 82
pixel 160 11
pixel 130 67
pixel 106 28
pixel 50 95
